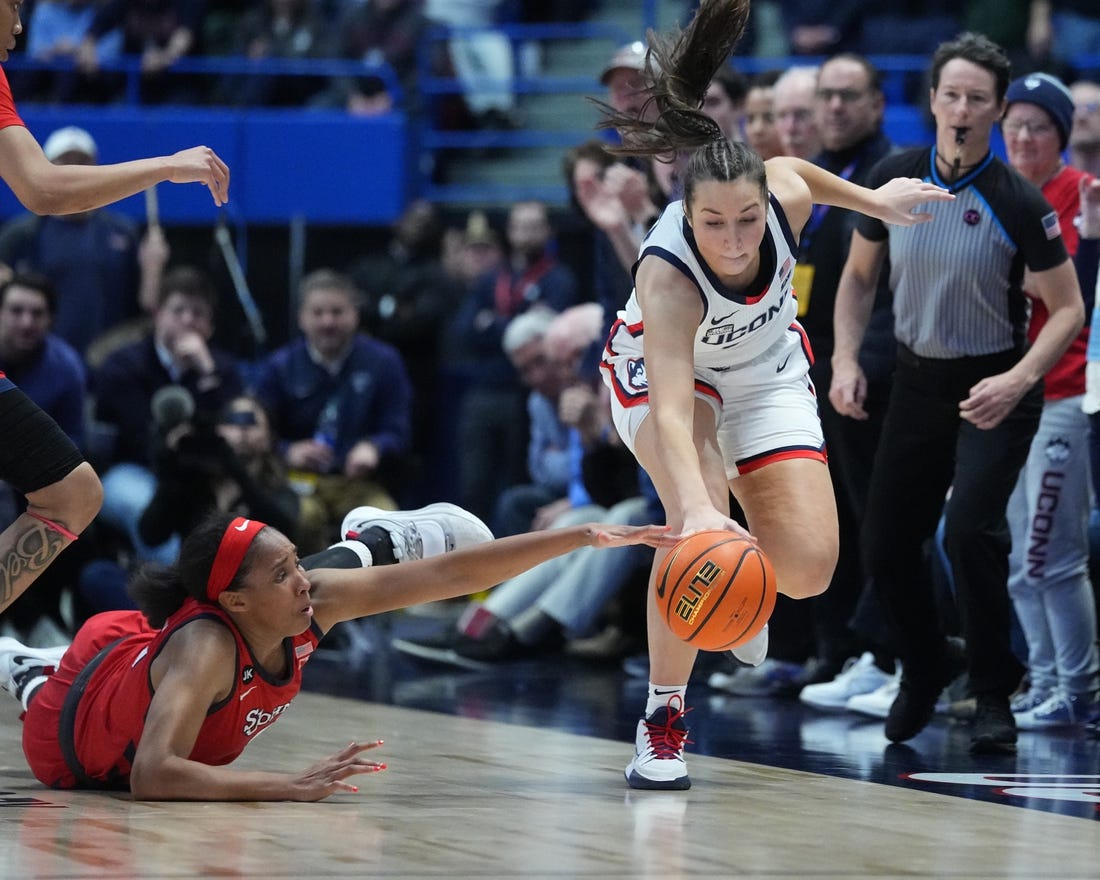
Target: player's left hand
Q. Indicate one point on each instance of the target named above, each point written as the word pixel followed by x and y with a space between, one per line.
pixel 900 196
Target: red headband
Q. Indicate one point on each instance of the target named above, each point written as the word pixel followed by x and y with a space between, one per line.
pixel 235 543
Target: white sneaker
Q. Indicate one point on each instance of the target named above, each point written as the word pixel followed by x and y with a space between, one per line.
pixel 658 761
pixel 21 666
pixel 753 652
pixel 1028 700
pixel 1060 709
pixel 418 534
pixel 877 703
pixel 857 677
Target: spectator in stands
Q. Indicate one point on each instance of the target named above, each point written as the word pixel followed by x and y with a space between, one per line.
pixel 823 27
pixel 794 105
pixel 51 373
pixel 1048 512
pixel 1084 137
pixel 492 421
pixel 1062 31
pixel 535 611
pixel 176 352
pixel 290 29
pixel 102 272
pixel 44 365
pixel 472 252
pixel 622 75
pixel 407 297
pixel 760 131
pixel 850 106
pixel 725 101
pixel 377 32
pixel 619 201
pixel 160 31
pixel 228 464
pixel 340 404
pixel 55 31
pixel 534 503
pixel 482 56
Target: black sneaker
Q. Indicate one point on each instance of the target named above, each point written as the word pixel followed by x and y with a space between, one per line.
pixel 498 644
pixel 994 730
pixel 915 703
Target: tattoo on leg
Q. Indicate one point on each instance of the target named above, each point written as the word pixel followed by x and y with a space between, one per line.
pixel 28 553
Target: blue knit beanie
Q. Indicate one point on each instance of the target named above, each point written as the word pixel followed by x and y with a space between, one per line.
pixel 1048 92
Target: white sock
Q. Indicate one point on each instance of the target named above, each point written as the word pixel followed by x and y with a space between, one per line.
pixel 29 688
pixel 359 549
pixel 660 694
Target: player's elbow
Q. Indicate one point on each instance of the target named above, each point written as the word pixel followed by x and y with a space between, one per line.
pixel 147 781
pixel 44 201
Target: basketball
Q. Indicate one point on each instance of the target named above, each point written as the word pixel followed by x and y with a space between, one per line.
pixel 716 590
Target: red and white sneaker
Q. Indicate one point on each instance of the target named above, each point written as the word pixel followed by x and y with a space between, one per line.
pixel 23 669
pixel 659 750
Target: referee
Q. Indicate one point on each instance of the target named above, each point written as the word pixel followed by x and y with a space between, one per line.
pixel 967 392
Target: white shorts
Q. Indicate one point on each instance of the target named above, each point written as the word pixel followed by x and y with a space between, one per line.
pixel 766 409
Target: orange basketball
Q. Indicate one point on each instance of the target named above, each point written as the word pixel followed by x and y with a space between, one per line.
pixel 716 590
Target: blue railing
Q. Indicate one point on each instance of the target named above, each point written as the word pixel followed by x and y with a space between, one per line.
pixel 329 166
pixel 130 67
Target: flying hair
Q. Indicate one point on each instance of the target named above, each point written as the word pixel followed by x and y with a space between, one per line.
pixel 679 67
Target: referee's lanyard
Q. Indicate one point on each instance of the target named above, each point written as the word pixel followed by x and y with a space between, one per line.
pixel 803 281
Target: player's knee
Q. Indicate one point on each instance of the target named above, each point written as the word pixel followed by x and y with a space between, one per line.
pixel 809 575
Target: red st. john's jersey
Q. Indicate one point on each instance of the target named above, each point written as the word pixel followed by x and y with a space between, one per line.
pixel 104 730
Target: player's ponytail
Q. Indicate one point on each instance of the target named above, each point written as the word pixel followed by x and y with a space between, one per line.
pixel 679 68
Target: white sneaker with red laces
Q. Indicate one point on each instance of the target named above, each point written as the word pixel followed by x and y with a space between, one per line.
pixel 659 750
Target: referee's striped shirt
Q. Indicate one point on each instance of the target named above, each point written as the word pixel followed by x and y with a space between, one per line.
pixel 957 280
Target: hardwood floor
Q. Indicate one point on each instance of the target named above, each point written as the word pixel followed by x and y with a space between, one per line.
pixel 516 772
pixel 468 797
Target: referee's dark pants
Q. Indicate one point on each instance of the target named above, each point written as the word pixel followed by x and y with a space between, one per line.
pixel 926 449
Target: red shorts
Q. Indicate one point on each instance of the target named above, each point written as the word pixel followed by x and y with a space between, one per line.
pixel 42 721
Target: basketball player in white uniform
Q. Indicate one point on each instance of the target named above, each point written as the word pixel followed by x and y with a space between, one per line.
pixel 708 366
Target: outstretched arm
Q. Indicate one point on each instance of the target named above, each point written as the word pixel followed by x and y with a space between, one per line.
pixel 345 594
pixel 893 202
pixel 45 188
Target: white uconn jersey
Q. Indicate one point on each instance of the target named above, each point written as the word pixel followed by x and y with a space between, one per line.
pixel 736 327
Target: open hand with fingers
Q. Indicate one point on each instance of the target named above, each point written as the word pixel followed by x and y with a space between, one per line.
pixel 202 165
pixel 327 776
pixel 900 197
pixel 605 535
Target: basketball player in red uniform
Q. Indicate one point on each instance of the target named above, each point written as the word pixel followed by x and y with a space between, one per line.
pixel 62 491
pixel 159 700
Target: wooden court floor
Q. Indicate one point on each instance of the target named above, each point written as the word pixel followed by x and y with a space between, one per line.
pixel 479 798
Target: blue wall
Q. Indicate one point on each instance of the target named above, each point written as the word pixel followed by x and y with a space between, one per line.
pixel 330 168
